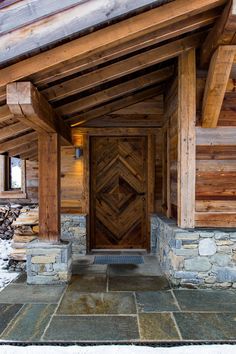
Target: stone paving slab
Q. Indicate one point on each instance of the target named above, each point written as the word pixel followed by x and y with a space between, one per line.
pixel 30 323
pixel 146 269
pixel 88 283
pixel 7 313
pixel 206 300
pixel 206 326
pixel 121 283
pixel 156 301
pixel 23 293
pixel 92 328
pixel 74 303
pixel 157 326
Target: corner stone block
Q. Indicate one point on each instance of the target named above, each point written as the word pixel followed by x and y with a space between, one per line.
pixel 47 267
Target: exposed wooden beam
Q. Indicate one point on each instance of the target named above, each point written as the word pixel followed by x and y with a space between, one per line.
pixel 49 186
pixel 186 139
pixel 29 154
pixel 216 84
pixel 190 24
pixel 30 106
pixel 107 37
pixel 16 142
pixel 223 33
pixel 114 106
pixel 13 130
pixel 116 91
pixel 121 68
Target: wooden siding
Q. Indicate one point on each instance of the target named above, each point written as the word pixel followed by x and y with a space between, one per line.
pixel 216 178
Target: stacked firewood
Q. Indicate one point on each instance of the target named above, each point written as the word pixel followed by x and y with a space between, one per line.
pixel 26 230
pixel 8 214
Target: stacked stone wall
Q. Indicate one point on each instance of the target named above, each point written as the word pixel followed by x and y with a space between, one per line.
pixel 73 229
pixel 195 258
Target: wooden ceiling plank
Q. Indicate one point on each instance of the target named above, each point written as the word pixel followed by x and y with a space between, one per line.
pixel 5 114
pixel 114 106
pixel 107 37
pixel 27 103
pixel 115 92
pixel 216 84
pixel 168 32
pixel 17 151
pixel 223 33
pixel 12 130
pixel 29 154
pixel 17 142
pixel 121 68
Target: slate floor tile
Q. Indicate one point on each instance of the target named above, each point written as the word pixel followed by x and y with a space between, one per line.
pixel 18 293
pixel 157 326
pixel 92 328
pixel 206 326
pixel 74 303
pixel 119 283
pixel 21 279
pixel 30 323
pixel 90 269
pixel 88 283
pixel 155 301
pixel 206 300
pixel 134 269
pixel 7 313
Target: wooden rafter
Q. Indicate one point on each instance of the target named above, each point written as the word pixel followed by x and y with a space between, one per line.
pixel 17 151
pixel 188 25
pixel 30 106
pixel 114 106
pixel 121 68
pixel 5 113
pixel 108 37
pixel 117 91
pixel 216 84
pixel 223 33
pixel 13 130
pixel 17 142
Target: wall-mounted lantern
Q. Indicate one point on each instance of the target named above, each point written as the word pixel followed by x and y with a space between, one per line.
pixel 78 152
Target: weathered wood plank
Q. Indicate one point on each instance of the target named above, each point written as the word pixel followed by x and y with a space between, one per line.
pixel 216 205
pixel 49 186
pixel 28 104
pixel 216 85
pixel 107 38
pixel 215 219
pixel 216 136
pixel 186 139
pixel 16 142
pixel 12 130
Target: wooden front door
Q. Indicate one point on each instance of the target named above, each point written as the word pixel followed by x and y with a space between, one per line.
pixel 118 204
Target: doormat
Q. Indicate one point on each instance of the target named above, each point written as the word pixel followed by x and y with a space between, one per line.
pixel 118 260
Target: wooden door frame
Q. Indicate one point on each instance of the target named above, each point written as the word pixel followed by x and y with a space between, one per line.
pixel 150 133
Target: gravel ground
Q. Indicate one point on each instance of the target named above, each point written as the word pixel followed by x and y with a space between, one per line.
pixel 6 276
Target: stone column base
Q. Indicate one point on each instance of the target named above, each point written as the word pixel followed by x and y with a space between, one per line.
pixel 48 263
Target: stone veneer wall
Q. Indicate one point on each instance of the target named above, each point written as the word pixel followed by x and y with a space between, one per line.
pixel 196 258
pixel 73 229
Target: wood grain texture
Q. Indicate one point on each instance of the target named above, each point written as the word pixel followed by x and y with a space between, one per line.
pixel 119 193
pixel 186 139
pixel 49 187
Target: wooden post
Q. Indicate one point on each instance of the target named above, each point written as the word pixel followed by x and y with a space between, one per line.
pixel 186 139
pixel 49 187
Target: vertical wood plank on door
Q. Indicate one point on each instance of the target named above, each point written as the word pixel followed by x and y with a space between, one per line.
pixel 186 139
